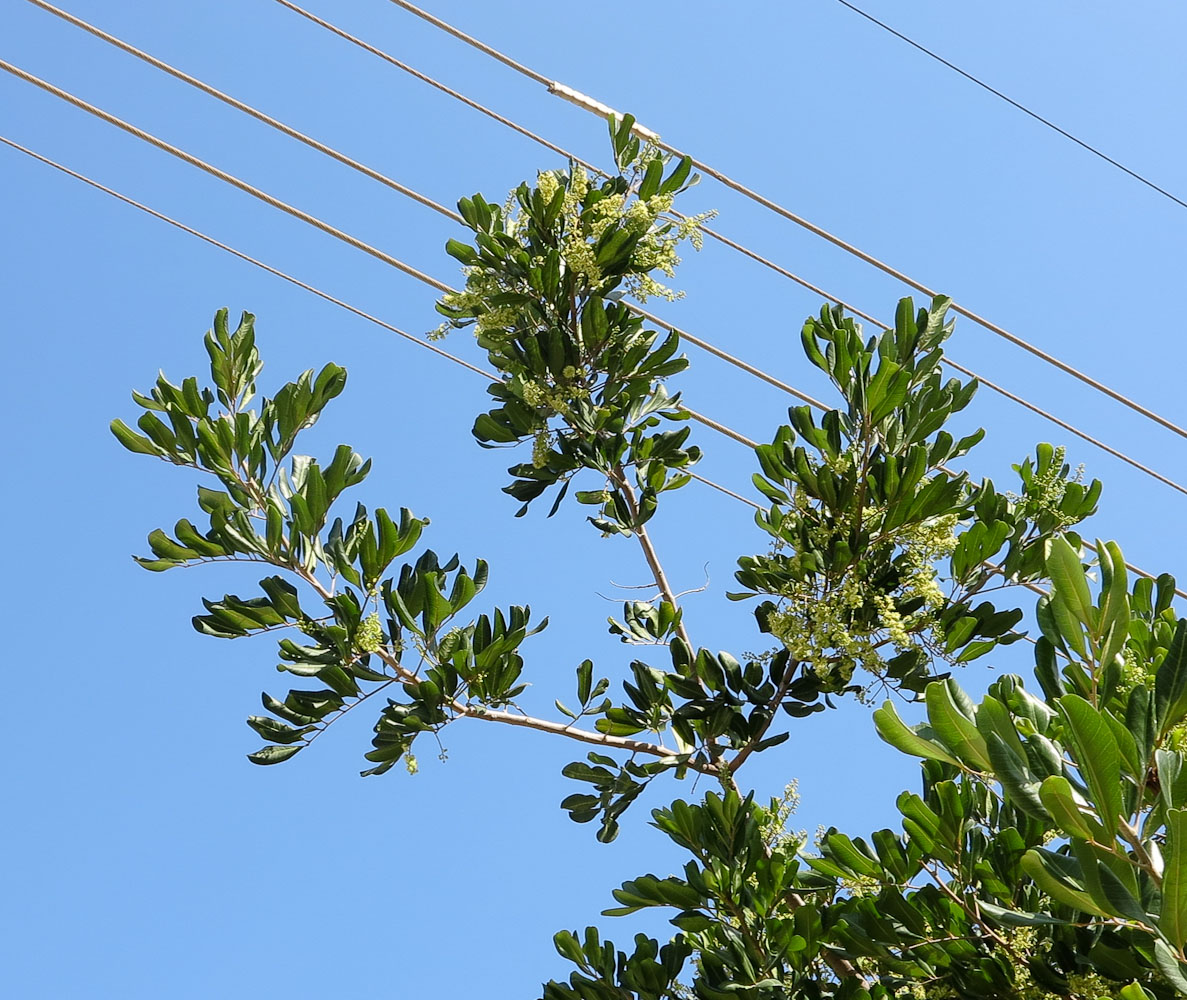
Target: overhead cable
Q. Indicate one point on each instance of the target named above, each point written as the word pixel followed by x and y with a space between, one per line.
pixel 602 110
pixel 353 240
pixel 312 289
pixel 247 109
pixel 1021 107
pixel 364 315
pixel 367 248
pixel 713 234
pixel 428 345
pixel 222 175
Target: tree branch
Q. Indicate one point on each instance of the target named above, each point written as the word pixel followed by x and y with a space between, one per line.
pixel 649 553
pixel 581 735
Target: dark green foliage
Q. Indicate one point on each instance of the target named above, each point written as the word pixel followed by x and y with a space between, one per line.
pixel 1045 852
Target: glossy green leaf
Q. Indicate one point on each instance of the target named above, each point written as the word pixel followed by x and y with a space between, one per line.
pixel 1058 796
pixel 896 732
pixel 957 732
pixel 1035 864
pixel 1172 919
pixel 1170 682
pixel 275 754
pixel 1097 756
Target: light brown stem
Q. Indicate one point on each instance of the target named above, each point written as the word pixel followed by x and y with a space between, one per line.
pixel 527 721
pixel 548 726
pixel 740 757
pixel 1143 856
pixel 649 553
pixel 582 735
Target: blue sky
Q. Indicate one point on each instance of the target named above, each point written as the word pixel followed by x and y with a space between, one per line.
pixel 145 856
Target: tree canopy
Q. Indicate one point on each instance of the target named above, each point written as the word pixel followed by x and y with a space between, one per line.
pixel 1044 852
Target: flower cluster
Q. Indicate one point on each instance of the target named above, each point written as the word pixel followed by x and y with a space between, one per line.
pixel 838 624
pixel 369 637
pixel 587 213
pixel 1047 488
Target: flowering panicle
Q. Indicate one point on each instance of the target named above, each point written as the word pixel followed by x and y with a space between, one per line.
pixel 837 624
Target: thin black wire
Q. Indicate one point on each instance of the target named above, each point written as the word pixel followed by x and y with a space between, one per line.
pixel 1021 107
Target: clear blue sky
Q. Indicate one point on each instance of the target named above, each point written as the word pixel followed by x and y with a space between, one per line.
pixel 144 856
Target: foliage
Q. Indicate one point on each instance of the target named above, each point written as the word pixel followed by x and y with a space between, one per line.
pixel 1045 854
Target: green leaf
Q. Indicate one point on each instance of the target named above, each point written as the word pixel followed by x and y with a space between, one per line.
pixel 900 736
pixel 1016 918
pixel 274 755
pixel 957 732
pixel 1097 756
pixel 1170 682
pixel 842 849
pixel 1034 864
pixel 1119 897
pixel 1059 798
pixel 677 177
pixel 133 441
pixel 1173 916
pixel 1170 966
pixel 651 179
pixel 1020 785
pixel 994 717
pixel 1069 580
pixel 275 731
pixel 461 251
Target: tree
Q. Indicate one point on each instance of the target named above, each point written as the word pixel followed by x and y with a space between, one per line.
pixel 1045 854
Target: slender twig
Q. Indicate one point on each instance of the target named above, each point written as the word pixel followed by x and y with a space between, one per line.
pixel 1143 856
pixel 649 553
pixel 973 912
pixel 353 705
pixel 581 735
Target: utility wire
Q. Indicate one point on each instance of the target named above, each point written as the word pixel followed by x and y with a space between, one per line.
pixel 222 175
pixel 708 231
pixel 247 109
pixel 246 257
pixel 353 240
pixel 373 319
pixel 312 289
pixel 361 245
pixel 597 108
pixel 358 312
pixel 338 233
pixel 1021 107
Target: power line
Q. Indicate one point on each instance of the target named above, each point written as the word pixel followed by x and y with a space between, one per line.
pixel 597 108
pixel 247 109
pixel 510 123
pixel 763 375
pixel 1021 107
pixel 365 247
pixel 712 424
pixel 364 315
pixel 411 193
pixel 353 240
pixel 222 175
pixel 246 257
pixel 312 289
pixel 338 233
